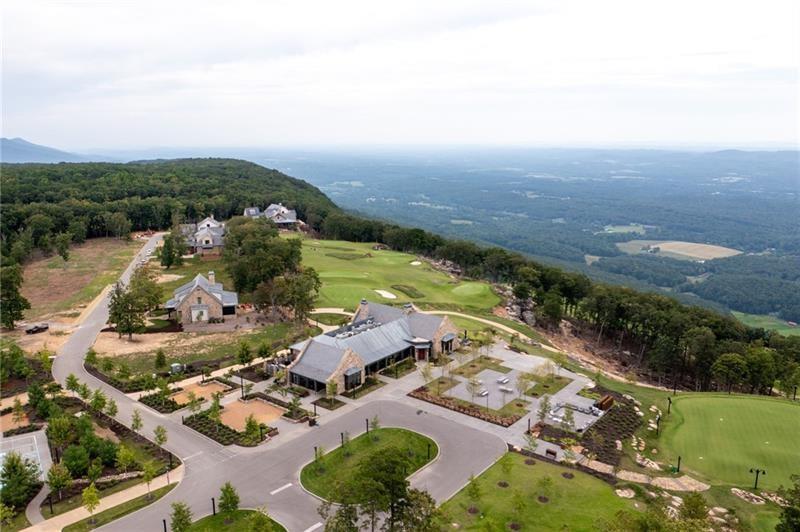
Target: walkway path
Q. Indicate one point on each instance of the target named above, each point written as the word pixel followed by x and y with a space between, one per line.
pixel 67 518
pixel 684 483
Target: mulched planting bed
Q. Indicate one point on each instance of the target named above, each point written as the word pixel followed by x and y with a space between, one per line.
pixel 619 423
pixel 515 526
pixel 254 373
pixel 503 484
pixel 530 461
pixel 220 432
pixel 300 415
pixel 473 510
pixel 542 499
pixel 329 405
pixel 370 385
pixel 401 369
pixel 423 394
pixel 38 376
pixel 568 475
pixel 161 404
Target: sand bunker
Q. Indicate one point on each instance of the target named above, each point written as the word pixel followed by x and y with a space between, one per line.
pixel 415 263
pixel 205 391
pixel 387 295
pixel 235 414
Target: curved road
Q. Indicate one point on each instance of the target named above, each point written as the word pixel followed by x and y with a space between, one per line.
pixel 269 474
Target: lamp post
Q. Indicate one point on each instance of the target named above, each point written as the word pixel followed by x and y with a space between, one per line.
pixel 241 382
pixel 794 398
pixel 487 402
pixel 669 404
pixel 758 472
pixel 165 524
pixel 658 424
pixel 213 506
pixel 679 464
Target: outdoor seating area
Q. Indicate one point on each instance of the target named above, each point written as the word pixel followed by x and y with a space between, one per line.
pixel 202 390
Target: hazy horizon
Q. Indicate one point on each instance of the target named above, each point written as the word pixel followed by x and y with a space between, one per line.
pixel 148 75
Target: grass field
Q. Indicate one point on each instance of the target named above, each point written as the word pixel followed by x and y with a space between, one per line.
pixel 573 504
pixel 325 476
pixel 721 437
pixel 54 286
pixel 350 271
pixel 767 322
pixel 631 228
pixel 238 521
pixel 121 510
pixel 677 249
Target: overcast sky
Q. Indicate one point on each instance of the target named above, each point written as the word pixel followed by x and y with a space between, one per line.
pixel 128 74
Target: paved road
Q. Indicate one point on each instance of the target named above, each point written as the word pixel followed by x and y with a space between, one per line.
pixel 269 474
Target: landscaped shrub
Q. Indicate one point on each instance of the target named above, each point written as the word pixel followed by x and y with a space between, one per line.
pixel 76 459
pixel 160 403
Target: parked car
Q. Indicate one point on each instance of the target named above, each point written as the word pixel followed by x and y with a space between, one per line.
pixel 483 393
pixel 38 328
pixel 503 380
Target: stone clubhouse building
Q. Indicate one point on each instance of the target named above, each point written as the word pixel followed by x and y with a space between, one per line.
pixel 378 336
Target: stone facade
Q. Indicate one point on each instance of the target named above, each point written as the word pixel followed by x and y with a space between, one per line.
pixel 445 327
pixel 199 297
pixel 349 360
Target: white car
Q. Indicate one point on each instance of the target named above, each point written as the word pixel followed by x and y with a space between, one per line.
pixel 483 393
pixel 503 380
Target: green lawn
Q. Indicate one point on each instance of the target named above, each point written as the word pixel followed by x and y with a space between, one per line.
pixel 767 322
pixel 350 271
pixel 238 522
pixel 547 385
pixel 573 504
pixel 325 476
pixel 121 510
pixel 721 437
pixel 473 367
pixel 328 318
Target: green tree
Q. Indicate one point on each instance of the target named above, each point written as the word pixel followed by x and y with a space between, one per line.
pixel 790 514
pixel 259 521
pixel 473 387
pixel 59 432
pixel 518 502
pixel 568 421
pixel 694 506
pixel 160 435
pixel 544 408
pixel 252 429
pixel 173 249
pixel 506 465
pixel 474 491
pixel 228 501
pixel 553 307
pixel 149 472
pixel 91 357
pixel 245 354
pixel 76 459
pixel 58 479
pixel 125 311
pixel 161 359
pixel 419 513
pixel 12 303
pixel 72 383
pixel 61 242
pixel 344 518
pixel 95 470
pixel 330 391
pixel 126 458
pixel 83 392
pixel 730 369
pixel 19 478
pixel 302 291
pixel 136 421
pixel 181 517
pixel 193 402
pixel 18 412
pixel 374 426
pixel 91 500
pixel 98 401
pixel 6 515
pixel 118 224
pixel 111 407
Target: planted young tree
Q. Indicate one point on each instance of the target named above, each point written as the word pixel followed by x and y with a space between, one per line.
pixel 95 470
pixel 160 361
pixel 568 421
pixel 245 354
pixel 228 501
pixel 330 391
pixel 72 383
pixel 193 402
pixel 181 517
pixel 111 407
pixel 374 426
pixel 214 413
pixel 91 357
pixel 59 432
pixel 98 401
pixel 252 429
pixel 91 500
pixel 518 502
pixel 522 383
pixel 259 521
pixel 473 387
pixel 426 370
pixel 160 435
pixel 474 491
pixel 531 443
pixel 18 412
pixel 264 351
pixel 149 472
pixel 544 408
pixel 506 465
pixel 58 479
pixel 136 421
pixel 20 477
pixel 126 458
pixel 84 392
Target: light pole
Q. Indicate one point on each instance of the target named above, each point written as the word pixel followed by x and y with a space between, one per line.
pixel 679 465
pixel 213 506
pixel 658 424
pixel 795 394
pixel 758 472
pixel 669 404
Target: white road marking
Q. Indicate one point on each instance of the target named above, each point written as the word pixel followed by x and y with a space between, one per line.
pixel 278 490
pixel 313 527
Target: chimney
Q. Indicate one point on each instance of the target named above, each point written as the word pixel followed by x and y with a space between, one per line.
pixel 408 308
pixel 211 277
pixel 212 215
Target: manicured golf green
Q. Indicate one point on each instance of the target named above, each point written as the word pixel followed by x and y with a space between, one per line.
pixel 350 271
pixel 577 503
pixel 722 437
pixel 324 476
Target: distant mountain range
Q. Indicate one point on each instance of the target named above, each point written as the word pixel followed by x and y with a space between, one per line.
pixel 19 150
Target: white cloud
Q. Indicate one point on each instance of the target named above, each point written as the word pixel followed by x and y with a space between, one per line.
pixel 124 74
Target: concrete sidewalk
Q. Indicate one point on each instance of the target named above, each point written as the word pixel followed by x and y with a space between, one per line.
pixel 73 516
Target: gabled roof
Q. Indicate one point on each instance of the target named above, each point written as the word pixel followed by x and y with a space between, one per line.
pixel 210 222
pixel 252 212
pixel 280 214
pixel 225 297
pixel 318 361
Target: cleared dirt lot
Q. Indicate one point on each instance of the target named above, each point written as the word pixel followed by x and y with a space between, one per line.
pixel 58 290
pixel 235 414
pixel 201 390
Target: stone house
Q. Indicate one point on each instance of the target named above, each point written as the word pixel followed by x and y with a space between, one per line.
pixel 378 336
pixel 200 300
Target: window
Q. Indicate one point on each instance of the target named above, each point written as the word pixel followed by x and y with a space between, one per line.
pixel 199 300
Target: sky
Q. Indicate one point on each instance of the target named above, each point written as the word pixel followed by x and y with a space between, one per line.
pixel 134 74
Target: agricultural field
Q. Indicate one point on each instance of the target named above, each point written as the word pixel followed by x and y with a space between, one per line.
pixel 350 271
pixel 769 323
pixel 535 497
pixel 678 250
pixel 58 289
pixel 631 228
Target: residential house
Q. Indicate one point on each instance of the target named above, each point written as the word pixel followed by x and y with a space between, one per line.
pixel 206 237
pixel 378 336
pixel 200 300
pixel 278 214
